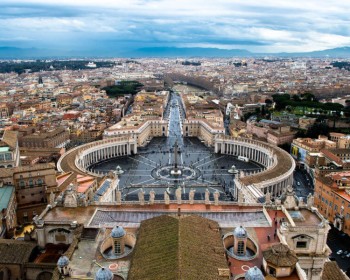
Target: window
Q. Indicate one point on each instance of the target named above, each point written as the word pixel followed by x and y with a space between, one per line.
pixel 21 184
pixel 301 244
pixel 40 181
pixel 240 248
pixel 8 156
pixel 117 248
pixel 31 183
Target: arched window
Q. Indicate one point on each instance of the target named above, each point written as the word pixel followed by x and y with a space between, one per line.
pixel 40 181
pixel 31 183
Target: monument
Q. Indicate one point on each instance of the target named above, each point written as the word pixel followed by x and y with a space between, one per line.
pixel 176 171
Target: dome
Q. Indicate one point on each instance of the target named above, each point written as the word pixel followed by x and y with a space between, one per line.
pixel 117 232
pixel 104 274
pixel 240 232
pixel 280 255
pixel 254 273
pixel 62 261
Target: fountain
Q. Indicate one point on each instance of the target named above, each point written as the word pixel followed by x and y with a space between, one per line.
pixel 118 171
pixel 233 170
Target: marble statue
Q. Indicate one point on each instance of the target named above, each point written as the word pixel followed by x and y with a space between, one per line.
pixel 191 196
pixel 166 197
pixel 206 196
pixel 310 200
pixel 268 198
pixel 141 196
pixel 118 197
pixel 178 195
pixel 152 194
pixel 216 197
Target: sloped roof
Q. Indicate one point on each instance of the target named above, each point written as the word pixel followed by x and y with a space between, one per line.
pixel 171 248
pixel 280 255
pixel 9 138
pixel 15 252
pixel 331 271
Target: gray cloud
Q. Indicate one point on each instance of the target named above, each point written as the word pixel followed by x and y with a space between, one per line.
pixel 269 25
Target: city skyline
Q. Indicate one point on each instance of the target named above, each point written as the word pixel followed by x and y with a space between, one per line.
pixel 89 26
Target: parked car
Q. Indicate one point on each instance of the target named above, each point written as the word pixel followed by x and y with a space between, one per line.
pixel 340 252
pixel 348 255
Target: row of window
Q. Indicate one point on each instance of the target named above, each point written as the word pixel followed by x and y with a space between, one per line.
pixel 31 183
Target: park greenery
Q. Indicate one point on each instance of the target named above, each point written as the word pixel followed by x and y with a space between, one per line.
pixel 341 64
pixel 193 63
pixel 123 87
pixel 306 102
pixel 52 65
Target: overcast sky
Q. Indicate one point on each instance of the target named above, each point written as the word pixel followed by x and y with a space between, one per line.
pixel 255 25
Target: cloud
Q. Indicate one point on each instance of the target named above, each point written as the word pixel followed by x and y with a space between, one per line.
pixel 268 25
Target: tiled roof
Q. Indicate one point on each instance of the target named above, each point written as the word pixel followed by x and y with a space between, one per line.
pixel 15 252
pixel 331 271
pixel 280 255
pixel 10 138
pixel 185 248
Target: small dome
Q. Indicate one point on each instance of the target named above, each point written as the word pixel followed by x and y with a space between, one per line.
pixel 104 274
pixel 63 261
pixel 117 232
pixel 240 232
pixel 254 273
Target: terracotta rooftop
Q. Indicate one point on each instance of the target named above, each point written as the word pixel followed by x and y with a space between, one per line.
pixel 9 138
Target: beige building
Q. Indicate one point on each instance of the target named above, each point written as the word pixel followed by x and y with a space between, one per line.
pixel 9 150
pixel 57 137
pixel 31 183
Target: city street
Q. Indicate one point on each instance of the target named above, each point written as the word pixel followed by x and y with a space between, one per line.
pixel 302 184
pixel 337 240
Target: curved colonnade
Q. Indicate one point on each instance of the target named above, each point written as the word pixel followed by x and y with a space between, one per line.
pixel 279 165
pixel 277 175
pixel 80 158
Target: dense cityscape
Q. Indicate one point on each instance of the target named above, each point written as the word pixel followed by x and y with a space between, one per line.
pixel 125 158
pixel 174 140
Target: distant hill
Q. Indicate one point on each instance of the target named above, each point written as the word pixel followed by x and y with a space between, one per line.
pixel 343 52
pixel 34 53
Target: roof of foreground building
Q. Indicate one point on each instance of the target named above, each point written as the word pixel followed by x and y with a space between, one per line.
pixel 178 248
